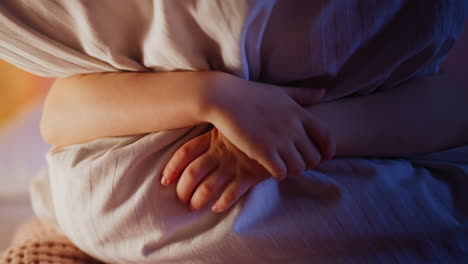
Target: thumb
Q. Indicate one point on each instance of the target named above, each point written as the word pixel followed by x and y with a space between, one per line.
pixel 305 96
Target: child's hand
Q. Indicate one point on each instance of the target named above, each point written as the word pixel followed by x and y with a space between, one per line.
pixel 268 125
pixel 208 167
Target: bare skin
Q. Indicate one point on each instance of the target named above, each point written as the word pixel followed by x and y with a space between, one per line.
pixel 203 166
pixel 268 125
pixel 389 123
pixel 213 167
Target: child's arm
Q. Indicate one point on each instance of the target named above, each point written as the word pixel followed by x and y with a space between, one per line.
pixel 260 119
pixel 424 115
pixel 82 108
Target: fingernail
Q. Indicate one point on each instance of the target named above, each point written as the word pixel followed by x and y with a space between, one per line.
pixel 216 208
pixel 164 180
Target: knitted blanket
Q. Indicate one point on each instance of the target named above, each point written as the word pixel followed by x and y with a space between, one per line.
pixel 36 242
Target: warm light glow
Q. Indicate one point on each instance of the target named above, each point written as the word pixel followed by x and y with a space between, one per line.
pixel 18 90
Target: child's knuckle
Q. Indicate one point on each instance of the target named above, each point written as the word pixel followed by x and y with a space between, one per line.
pixel 207 189
pixel 185 151
pixel 191 174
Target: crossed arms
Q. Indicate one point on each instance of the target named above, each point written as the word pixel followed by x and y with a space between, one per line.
pixel 296 131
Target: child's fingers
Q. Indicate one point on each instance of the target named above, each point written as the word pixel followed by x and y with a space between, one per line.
pixel 234 190
pixel 305 96
pixel 321 136
pixel 183 157
pixel 209 187
pixel 274 164
pixel 293 160
pixel 308 151
pixel 194 174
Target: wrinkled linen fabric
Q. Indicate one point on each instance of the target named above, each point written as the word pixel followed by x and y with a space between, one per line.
pixel 106 197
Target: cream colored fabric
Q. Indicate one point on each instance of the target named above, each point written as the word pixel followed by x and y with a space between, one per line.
pixel 105 195
pixel 322 43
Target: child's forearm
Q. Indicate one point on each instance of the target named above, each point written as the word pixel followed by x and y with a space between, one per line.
pixel 264 121
pixel 86 107
pixel 424 115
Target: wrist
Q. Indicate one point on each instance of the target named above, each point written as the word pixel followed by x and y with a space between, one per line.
pixel 340 128
pixel 213 95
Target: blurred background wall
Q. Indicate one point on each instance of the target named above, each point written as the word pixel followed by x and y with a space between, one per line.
pixel 19 90
pixel 21 148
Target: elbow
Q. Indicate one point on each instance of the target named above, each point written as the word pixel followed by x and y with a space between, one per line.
pixel 47 132
pixel 51 118
pixel 48 129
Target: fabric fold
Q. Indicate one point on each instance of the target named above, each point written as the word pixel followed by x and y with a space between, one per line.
pixel 105 195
